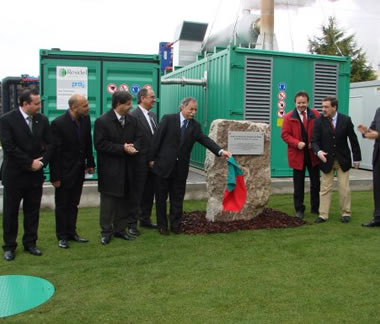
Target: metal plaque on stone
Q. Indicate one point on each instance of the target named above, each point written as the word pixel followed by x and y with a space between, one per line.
pixel 246 143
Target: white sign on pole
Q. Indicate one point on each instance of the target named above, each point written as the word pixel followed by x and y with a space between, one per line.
pixel 70 80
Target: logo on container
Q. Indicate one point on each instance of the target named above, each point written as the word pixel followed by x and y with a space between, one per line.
pixel 62 72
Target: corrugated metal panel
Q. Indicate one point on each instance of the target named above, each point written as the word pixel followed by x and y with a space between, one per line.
pixel 325 82
pixel 258 89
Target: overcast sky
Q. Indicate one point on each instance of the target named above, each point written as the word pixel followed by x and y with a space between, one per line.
pixel 138 26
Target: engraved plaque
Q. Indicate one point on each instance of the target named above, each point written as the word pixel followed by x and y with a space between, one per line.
pixel 246 143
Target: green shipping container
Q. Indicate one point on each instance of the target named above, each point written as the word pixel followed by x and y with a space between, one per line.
pixel 257 85
pixel 97 76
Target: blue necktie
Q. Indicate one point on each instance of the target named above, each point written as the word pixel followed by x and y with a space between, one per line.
pixel 183 128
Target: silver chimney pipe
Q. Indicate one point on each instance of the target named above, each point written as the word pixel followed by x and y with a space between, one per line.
pixel 267 39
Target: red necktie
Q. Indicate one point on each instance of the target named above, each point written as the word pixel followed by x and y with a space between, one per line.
pixel 304 119
pixel 332 124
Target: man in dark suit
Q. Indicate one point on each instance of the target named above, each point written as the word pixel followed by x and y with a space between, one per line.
pixel 296 132
pixel 72 158
pixel 148 124
pixel 169 158
pixel 329 141
pixel 373 133
pixel 117 139
pixel 27 146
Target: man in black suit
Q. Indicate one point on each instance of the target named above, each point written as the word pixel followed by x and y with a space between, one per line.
pixel 169 158
pixel 27 146
pixel 117 139
pixel 148 123
pixel 72 158
pixel 329 141
pixel 373 133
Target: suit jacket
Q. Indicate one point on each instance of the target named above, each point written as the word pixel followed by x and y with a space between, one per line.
pixel 116 169
pixel 375 125
pixel 335 142
pixel 145 128
pixel 21 147
pixel 73 149
pixel 291 133
pixel 168 148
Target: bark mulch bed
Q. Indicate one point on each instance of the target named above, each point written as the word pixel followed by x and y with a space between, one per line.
pixel 196 223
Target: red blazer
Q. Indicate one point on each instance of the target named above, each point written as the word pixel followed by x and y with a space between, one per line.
pixel 292 135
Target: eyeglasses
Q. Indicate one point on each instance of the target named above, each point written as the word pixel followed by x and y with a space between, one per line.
pixel 153 97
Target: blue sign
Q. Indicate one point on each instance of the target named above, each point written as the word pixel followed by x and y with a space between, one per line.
pixel 282 86
pixel 135 88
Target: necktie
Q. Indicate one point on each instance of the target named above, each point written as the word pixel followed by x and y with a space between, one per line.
pixel 332 124
pixel 152 122
pixel 183 128
pixel 304 119
pixel 122 121
pixel 30 123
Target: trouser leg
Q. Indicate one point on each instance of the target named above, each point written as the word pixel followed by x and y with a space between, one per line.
pixel 327 181
pixel 299 189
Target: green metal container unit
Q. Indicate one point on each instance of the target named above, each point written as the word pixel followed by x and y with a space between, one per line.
pixel 106 72
pixel 257 85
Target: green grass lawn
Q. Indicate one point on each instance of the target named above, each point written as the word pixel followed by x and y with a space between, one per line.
pixel 325 273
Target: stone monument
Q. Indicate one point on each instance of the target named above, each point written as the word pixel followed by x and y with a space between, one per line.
pixel 254 161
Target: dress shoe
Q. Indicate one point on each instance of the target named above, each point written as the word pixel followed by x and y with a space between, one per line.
pixel 133 231
pixel 345 219
pixel 319 220
pixel 124 236
pixel 79 239
pixel 163 231
pixel 149 225
pixel 105 240
pixel 372 223
pixel 300 214
pixel 9 255
pixel 33 250
pixel 176 230
pixel 63 244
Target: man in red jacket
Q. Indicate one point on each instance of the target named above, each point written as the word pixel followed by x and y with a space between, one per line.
pixel 296 132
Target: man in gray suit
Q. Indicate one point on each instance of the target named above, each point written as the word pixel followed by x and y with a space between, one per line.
pixel 148 123
pixel 373 133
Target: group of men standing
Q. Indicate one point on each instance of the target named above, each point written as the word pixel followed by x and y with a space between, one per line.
pixel 320 143
pixel 137 158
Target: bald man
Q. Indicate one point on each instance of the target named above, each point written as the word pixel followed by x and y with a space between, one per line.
pixel 72 159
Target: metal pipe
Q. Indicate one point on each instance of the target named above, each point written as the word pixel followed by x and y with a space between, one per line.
pixel 184 81
pixel 267 23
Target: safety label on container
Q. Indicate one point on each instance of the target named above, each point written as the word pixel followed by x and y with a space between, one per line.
pixel 123 87
pixel 111 88
pixel 135 88
pixel 70 80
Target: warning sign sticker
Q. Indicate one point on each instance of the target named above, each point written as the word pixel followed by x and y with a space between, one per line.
pixel 111 88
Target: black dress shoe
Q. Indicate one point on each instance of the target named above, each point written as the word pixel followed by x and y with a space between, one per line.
pixel 63 244
pixel 105 240
pixel 163 231
pixel 372 223
pixel 148 225
pixel 33 250
pixel 319 220
pixel 300 214
pixel 176 230
pixel 79 239
pixel 345 219
pixel 124 236
pixel 9 255
pixel 133 231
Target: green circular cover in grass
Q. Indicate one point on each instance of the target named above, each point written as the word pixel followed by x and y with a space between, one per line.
pixel 21 293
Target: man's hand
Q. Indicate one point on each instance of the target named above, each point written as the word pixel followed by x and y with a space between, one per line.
pixel 56 184
pixel 150 164
pixel 362 129
pixel 322 156
pixel 37 164
pixel 356 165
pixel 226 154
pixel 301 145
pixel 130 149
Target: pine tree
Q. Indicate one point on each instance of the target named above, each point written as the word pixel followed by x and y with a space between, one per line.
pixel 335 42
